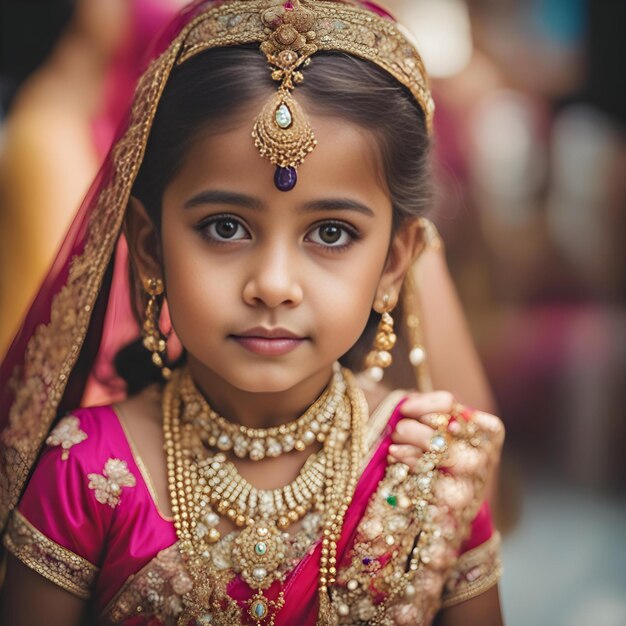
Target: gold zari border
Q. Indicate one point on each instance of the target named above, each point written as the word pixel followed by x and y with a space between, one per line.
pixel 52 561
pixel 338 27
pixel 484 562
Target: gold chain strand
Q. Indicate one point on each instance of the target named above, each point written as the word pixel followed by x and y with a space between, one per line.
pixel 259 551
pixel 257 443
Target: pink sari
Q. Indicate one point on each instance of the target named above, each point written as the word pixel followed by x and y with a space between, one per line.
pixel 111 545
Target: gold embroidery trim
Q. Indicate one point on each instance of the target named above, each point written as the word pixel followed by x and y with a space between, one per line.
pixel 337 27
pixel 52 561
pixel 476 571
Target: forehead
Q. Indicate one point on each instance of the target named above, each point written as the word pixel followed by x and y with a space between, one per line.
pixel 345 163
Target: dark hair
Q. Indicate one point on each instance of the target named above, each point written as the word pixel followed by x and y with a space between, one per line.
pixel 209 88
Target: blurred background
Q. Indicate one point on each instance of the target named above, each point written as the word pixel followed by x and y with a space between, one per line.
pixel 531 168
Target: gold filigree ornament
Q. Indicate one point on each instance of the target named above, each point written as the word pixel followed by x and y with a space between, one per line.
pixel 258 551
pixel 282 132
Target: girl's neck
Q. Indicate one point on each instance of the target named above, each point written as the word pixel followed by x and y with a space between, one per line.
pixel 256 409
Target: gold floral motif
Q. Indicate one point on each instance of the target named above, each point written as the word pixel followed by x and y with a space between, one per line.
pixel 66 433
pixel 54 562
pixel 108 485
pixel 476 571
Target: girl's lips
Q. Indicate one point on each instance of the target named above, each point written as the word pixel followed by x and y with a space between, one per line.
pixel 268 346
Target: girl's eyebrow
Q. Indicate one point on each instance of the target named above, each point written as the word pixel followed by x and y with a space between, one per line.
pixel 334 204
pixel 217 196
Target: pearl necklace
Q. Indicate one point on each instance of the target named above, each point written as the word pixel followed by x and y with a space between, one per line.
pixel 257 443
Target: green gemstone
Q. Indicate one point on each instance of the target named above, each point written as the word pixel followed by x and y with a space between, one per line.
pixel 260 548
pixel 259 609
pixel 392 500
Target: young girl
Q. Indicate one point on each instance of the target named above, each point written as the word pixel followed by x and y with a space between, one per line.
pixel 270 186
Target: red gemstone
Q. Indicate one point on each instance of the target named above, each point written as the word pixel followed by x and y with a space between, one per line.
pixel 288 6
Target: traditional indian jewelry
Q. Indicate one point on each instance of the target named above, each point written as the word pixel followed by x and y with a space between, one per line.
pixel 153 339
pixel 417 352
pixel 234 497
pixel 380 357
pixel 282 132
pixel 259 552
pixel 289 33
pixel 257 443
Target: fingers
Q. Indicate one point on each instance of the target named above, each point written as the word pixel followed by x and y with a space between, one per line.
pixel 409 455
pixel 413 433
pixel 475 437
pixel 419 404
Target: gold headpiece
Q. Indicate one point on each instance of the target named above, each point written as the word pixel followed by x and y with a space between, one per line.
pixel 290 31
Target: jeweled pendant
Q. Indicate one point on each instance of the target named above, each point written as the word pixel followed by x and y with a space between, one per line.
pixel 258 610
pixel 285 178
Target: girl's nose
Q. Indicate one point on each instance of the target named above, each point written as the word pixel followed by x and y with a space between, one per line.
pixel 273 278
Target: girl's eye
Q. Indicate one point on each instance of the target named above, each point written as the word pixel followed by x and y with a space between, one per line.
pixel 225 229
pixel 332 235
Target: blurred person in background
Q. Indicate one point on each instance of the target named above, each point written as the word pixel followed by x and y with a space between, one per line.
pixel 60 125
pixel 532 203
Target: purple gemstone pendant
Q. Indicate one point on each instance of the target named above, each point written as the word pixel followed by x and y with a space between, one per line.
pixel 285 178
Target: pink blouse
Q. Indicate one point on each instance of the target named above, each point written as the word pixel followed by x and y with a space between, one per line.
pixel 89 522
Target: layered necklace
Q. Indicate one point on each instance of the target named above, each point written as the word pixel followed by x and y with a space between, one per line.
pixel 205 485
pixel 257 443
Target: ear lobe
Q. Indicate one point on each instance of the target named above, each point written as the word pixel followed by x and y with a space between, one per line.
pixel 143 240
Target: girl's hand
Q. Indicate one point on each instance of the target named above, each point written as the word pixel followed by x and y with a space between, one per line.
pixel 413 434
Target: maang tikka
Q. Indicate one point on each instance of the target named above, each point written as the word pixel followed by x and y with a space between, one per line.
pixel 282 132
pixel 289 32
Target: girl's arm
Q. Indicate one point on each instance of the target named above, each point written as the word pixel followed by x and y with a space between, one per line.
pixel 483 610
pixel 28 599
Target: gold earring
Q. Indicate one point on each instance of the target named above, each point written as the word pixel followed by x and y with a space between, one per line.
pixel 380 357
pixel 153 339
pixel 417 352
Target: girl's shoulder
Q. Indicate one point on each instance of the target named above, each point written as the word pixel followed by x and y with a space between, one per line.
pixel 88 518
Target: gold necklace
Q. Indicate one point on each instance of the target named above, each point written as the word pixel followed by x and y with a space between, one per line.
pixel 233 496
pixel 260 548
pixel 257 443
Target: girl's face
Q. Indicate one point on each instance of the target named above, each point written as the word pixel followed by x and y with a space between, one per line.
pixel 267 289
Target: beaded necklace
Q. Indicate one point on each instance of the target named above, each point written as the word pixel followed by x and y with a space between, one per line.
pixel 201 478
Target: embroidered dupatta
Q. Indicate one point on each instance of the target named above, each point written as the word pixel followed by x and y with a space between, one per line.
pixel 71 320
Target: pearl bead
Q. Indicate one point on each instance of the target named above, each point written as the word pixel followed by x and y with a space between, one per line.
pixel 417 356
pixel 375 374
pixel 343 610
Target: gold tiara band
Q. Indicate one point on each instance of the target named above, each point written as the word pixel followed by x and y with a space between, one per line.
pixel 289 33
